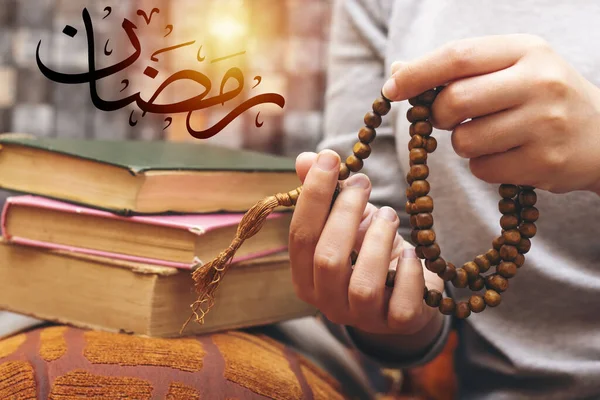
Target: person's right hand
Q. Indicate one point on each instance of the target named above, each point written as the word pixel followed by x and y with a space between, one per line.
pixel 321 242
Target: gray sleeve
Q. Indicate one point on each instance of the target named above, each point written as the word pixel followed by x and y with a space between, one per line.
pixel 356 74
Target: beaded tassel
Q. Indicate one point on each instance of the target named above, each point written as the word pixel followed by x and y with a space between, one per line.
pixel 506 255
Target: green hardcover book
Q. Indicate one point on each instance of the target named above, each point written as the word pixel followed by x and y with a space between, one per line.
pixel 142 177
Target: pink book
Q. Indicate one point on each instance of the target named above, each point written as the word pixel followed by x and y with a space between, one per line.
pixel 167 240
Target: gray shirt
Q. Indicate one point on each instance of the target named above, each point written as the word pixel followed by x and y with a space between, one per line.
pixel 543 341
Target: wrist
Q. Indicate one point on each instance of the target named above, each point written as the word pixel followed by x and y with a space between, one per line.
pixel 399 346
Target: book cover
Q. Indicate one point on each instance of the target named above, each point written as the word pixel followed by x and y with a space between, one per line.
pixel 138 177
pixel 64 226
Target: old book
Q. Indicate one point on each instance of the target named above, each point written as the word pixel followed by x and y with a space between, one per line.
pixel 167 240
pixel 100 293
pixel 142 177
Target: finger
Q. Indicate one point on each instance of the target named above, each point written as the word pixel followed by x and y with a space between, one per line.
pixel 367 283
pixel 508 167
pixel 332 267
pixel 479 96
pixel 459 59
pixel 406 302
pixel 395 66
pixel 309 219
pixel 303 163
pixel 496 133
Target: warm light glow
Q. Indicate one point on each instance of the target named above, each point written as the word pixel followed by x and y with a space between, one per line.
pixel 227 28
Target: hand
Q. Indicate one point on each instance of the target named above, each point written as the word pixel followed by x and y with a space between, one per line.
pixel 518 111
pixel 321 243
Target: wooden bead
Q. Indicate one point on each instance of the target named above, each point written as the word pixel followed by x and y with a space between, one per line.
pixel 508 252
pixel 416 142
pixel 527 198
pixel 361 150
pixel 354 163
pixel 413 236
pixel 462 310
pixel 528 229
pixel 344 172
pixel 366 134
pixel 408 207
pixel 409 179
pixel 414 209
pixel 413 221
pixel 492 298
pixel 372 120
pixel 476 303
pixel 497 283
pixel 524 246
pixel 519 260
pixel 436 266
pixel 477 284
pixel 507 206
pixel 498 242
pixel 530 214
pixel 461 280
pixel 426 237
pixel 410 194
pixel 418 113
pixel 419 251
pixel 493 256
pixel 509 221
pixel 471 269
pixel 482 262
pixel 508 191
pixel 417 156
pixel 427 97
pixel 511 237
pixel 419 171
pixel 432 252
pixel 420 188
pixel 447 306
pixel 434 298
pixel 382 106
pixel 507 269
pixel 424 204
pixel 430 144
pixel 422 128
pixel 448 273
pixel 424 221
pixel 390 278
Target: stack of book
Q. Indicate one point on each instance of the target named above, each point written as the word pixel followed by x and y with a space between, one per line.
pixel 104 234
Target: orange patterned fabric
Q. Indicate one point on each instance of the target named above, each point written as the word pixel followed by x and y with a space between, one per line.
pixel 64 363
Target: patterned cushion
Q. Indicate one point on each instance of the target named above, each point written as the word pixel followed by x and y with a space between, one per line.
pixel 66 363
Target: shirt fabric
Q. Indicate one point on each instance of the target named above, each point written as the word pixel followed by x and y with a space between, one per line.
pixel 543 341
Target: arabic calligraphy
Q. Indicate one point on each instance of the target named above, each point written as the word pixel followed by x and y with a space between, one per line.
pixel 187 106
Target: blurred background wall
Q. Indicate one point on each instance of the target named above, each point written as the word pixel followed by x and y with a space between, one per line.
pixel 285 43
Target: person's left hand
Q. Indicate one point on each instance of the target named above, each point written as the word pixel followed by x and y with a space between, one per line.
pixel 518 111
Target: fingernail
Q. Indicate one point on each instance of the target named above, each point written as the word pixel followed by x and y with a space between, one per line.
pixel 390 89
pixel 409 252
pixel 359 181
pixel 387 213
pixel 327 160
pixel 305 155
